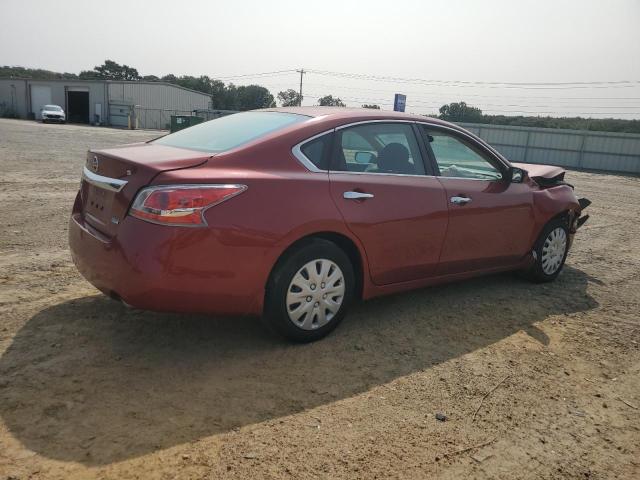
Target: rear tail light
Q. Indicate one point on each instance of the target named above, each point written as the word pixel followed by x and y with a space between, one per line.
pixel 181 204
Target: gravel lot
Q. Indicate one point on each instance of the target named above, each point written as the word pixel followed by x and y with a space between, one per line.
pixel 91 389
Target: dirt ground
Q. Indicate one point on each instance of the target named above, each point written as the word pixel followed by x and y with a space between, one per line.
pixel 536 381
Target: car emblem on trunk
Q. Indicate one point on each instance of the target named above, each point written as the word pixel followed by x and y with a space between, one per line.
pixel 94 164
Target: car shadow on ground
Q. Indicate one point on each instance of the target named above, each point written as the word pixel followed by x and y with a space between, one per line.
pixel 93 382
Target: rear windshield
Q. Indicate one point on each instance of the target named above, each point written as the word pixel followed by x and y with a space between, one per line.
pixel 229 132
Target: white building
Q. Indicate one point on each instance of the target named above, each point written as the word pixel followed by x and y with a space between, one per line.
pixel 118 103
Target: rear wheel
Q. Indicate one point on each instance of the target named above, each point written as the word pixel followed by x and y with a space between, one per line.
pixel 309 291
pixel 550 251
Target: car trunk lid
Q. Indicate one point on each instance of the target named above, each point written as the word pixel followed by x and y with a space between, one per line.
pixel 112 177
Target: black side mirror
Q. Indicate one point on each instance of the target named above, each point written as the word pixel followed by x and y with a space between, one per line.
pixel 364 157
pixel 515 175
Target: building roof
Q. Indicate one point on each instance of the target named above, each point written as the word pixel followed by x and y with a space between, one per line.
pixel 93 81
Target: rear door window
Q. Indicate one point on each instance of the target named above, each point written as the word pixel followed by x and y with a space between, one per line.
pixel 378 148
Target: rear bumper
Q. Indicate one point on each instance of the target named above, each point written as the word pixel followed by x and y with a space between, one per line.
pixel 161 268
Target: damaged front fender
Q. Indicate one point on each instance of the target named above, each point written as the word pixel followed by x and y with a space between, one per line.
pixel 553 196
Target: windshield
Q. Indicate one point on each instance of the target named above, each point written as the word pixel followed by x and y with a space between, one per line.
pixel 52 107
pixel 231 131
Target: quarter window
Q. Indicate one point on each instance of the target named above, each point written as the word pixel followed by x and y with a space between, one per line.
pixel 456 159
pixel 316 151
pixel 378 148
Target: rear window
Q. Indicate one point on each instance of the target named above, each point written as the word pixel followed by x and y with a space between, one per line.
pixel 231 131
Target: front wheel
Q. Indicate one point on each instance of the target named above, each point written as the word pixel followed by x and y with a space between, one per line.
pixel 550 252
pixel 309 291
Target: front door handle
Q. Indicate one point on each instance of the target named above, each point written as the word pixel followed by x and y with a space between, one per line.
pixel 460 200
pixel 357 195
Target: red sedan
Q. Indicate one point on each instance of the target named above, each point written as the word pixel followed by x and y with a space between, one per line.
pixel 295 213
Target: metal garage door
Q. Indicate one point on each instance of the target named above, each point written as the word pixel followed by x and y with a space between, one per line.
pixel 40 96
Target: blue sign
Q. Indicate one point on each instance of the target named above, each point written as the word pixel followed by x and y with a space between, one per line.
pixel 399 102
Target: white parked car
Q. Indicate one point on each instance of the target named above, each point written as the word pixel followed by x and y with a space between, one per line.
pixel 53 113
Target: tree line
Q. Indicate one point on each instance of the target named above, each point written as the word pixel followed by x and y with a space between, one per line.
pixel 249 97
pixel 461 112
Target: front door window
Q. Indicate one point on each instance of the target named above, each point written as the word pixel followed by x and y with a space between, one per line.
pixel 458 160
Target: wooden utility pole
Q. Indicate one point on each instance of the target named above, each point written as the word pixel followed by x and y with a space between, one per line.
pixel 301 72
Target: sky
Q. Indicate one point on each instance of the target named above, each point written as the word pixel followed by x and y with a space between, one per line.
pixel 557 48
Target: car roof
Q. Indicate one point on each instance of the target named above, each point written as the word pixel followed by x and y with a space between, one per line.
pixel 355 114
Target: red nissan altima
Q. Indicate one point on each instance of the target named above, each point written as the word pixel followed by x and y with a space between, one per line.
pixel 294 213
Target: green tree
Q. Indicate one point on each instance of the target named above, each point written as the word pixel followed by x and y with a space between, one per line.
pixel 225 97
pixel 460 112
pixel 34 73
pixel 290 98
pixel 371 106
pixel 111 70
pixel 248 97
pixel 329 101
pixel 171 78
pixel 215 88
pixel 202 83
pixel 219 95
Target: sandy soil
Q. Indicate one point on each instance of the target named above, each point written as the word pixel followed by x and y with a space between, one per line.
pixel 90 389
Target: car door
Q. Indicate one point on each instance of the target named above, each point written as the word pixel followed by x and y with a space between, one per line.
pixel 379 183
pixel 490 218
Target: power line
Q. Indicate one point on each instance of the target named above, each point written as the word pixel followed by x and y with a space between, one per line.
pixel 555 112
pixel 391 91
pixel 255 75
pixel 385 103
pixel 454 85
pixel 422 94
pixel 439 95
pixel 460 83
pixel 435 104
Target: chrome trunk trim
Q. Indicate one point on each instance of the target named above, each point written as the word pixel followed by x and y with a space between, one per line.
pixel 107 183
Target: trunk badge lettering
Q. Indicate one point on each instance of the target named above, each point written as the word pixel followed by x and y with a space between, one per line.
pixel 94 164
pixel 115 220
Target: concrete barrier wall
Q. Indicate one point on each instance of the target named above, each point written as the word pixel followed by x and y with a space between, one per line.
pixel 614 152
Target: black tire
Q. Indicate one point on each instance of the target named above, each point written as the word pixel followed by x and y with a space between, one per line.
pixel 276 310
pixel 536 272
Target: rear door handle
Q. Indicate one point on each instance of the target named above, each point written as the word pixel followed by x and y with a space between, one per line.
pixel 460 200
pixel 357 195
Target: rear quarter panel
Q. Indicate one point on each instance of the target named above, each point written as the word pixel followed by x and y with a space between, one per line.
pixel 282 204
